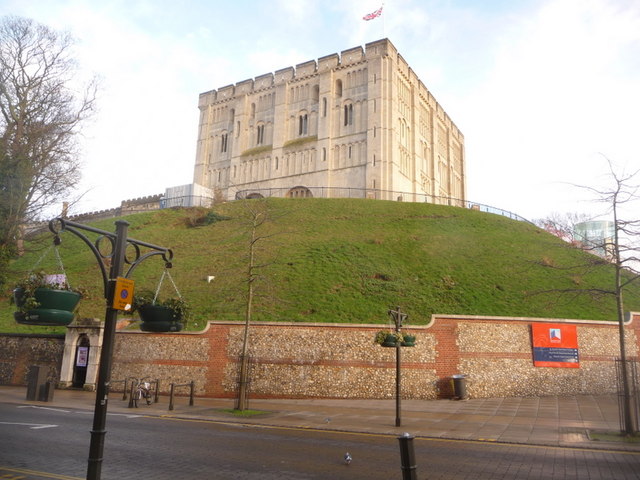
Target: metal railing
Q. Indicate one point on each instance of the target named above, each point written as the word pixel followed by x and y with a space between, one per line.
pixel 296 192
pixel 375 194
pixel 633 384
pixel 247 382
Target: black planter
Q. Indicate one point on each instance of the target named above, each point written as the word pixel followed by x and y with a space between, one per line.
pixel 408 341
pixel 390 340
pixel 55 309
pixel 156 318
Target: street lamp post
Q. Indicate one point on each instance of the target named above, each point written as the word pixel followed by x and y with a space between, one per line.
pixel 398 318
pixel 118 243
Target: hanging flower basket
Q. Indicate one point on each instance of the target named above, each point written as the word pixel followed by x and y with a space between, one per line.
pixel 160 316
pixel 44 306
pixel 408 341
pixel 46 300
pixel 388 339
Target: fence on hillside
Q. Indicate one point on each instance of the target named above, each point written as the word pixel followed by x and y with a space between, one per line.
pixel 375 194
pixel 298 192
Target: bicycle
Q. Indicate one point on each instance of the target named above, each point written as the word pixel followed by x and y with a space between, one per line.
pixel 143 391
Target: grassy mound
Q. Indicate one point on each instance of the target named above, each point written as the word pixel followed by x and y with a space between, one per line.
pixel 343 260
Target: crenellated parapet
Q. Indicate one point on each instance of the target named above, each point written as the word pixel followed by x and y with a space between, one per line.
pixel 300 71
pixel 142 201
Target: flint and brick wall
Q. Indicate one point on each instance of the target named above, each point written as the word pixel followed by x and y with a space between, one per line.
pixel 19 351
pixel 342 361
pixel 296 360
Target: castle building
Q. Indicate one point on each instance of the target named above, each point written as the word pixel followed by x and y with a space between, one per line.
pixel 357 124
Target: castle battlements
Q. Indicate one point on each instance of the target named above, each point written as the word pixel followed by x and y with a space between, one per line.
pixel 360 118
pixel 300 71
pixel 335 61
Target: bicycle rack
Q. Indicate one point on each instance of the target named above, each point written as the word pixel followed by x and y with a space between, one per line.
pixel 192 386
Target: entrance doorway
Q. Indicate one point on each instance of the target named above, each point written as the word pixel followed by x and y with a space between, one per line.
pixel 81 362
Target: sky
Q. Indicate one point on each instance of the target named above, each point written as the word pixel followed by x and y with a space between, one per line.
pixel 543 91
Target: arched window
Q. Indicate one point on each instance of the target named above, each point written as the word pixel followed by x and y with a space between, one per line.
pixel 324 106
pixel 316 93
pixel 404 133
pixel 338 88
pixel 224 142
pixel 303 121
pixel 348 114
pixel 260 134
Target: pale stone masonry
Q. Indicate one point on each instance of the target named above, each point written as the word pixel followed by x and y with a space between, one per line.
pixel 359 124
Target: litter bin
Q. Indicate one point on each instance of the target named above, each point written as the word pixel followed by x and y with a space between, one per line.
pixel 460 387
pixel 37 382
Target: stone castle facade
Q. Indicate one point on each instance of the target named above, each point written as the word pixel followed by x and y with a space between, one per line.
pixel 358 124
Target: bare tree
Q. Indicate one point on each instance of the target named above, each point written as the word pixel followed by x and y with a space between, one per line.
pixel 41 111
pixel 258 215
pixel 620 249
pixel 562 225
pixel 624 249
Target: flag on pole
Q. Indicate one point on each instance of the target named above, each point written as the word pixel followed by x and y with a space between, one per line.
pixel 372 15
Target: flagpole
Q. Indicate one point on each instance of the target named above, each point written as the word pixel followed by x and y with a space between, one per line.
pixel 383 22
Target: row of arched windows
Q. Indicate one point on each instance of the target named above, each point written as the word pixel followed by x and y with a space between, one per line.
pixel 349 154
pixel 304 92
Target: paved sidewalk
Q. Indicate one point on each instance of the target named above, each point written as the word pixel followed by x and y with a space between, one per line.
pixel 556 421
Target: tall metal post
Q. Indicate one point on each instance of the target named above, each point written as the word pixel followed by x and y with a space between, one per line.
pixel 398 384
pixel 116 259
pixel 398 317
pixel 98 432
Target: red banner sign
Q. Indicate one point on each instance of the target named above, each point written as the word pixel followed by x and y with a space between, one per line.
pixel 555 345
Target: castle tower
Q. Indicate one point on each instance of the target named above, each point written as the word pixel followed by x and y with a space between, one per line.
pixel 358 124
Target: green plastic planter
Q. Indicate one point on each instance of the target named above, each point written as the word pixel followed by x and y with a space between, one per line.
pixel 409 341
pixel 390 341
pixel 56 307
pixel 156 318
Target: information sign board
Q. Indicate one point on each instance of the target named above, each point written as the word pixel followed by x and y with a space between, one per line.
pixel 123 294
pixel 555 345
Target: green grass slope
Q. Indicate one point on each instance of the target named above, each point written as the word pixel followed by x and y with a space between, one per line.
pixel 343 260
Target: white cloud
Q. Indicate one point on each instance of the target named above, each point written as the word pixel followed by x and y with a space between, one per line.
pixel 552 101
pixel 537 87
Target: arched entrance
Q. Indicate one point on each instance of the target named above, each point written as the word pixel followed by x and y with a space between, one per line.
pixel 299 192
pixel 81 362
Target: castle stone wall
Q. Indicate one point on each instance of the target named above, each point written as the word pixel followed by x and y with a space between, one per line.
pixel 342 361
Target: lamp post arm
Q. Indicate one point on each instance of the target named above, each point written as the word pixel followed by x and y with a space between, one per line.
pixel 118 243
pixel 167 255
pixel 58 225
pixel 63 226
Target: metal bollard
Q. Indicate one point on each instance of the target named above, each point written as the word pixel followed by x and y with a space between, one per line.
pixel 407 457
pixel 193 386
pixel 155 398
pixel 133 386
pixel 171 397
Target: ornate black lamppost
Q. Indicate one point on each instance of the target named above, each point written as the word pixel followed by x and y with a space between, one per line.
pixel 117 244
pixel 398 318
